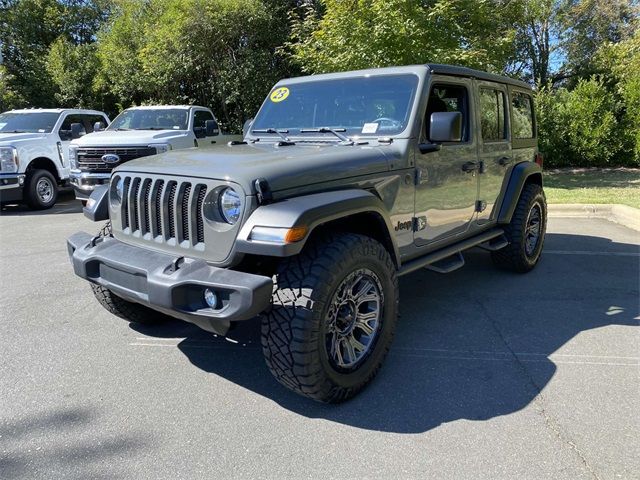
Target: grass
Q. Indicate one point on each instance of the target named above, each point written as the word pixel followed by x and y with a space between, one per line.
pixel 619 185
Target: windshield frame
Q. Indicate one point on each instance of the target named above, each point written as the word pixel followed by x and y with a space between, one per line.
pixel 113 126
pixel 34 113
pixel 323 137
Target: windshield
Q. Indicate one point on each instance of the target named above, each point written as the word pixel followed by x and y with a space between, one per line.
pixel 36 122
pixel 375 105
pixel 148 119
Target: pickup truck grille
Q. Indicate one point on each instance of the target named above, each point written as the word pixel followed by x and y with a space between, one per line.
pixel 163 210
pixel 90 158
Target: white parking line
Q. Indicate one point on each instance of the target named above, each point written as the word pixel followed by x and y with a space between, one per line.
pixel 587 252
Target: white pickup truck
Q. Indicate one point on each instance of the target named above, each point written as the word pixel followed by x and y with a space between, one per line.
pixel 34 152
pixel 139 132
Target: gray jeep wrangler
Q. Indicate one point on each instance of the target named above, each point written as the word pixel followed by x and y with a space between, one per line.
pixel 343 183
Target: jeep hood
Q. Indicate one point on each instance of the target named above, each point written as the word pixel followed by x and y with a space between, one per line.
pixel 284 167
pixel 109 138
pixel 11 138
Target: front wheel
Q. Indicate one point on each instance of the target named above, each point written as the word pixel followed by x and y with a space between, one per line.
pixel 129 311
pixel 41 190
pixel 333 317
pixel 525 233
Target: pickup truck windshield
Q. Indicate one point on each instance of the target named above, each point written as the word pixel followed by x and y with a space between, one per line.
pixel 36 122
pixel 149 119
pixel 371 105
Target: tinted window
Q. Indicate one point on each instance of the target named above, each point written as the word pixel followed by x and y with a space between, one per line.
pixel 150 119
pixel 65 129
pixel 361 106
pixel 492 114
pixel 36 122
pixel 522 121
pixel 200 117
pixel 448 98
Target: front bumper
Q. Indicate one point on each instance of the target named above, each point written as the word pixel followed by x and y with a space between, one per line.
pixel 170 284
pixel 11 186
pixel 84 182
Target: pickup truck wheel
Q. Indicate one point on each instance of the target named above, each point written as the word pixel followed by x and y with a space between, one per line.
pixel 41 190
pixel 525 233
pixel 333 317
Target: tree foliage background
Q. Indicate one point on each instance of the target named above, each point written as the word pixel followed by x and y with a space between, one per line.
pixel 582 56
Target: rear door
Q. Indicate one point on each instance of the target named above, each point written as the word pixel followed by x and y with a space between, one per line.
pixel 495 153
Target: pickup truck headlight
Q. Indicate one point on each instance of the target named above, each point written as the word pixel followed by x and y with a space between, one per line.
pixel 230 205
pixel 8 160
pixel 73 157
pixel 160 147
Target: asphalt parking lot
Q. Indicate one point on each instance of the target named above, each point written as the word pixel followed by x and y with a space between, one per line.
pixel 492 375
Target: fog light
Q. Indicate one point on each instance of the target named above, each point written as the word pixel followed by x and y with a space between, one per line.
pixel 211 298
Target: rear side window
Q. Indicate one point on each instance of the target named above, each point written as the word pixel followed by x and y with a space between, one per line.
pixel 522 121
pixel 492 115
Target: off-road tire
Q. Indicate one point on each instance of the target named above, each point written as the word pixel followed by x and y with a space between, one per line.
pixel 294 330
pixel 514 256
pixel 129 311
pixel 36 200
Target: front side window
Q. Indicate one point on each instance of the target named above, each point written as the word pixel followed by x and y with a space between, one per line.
pixel 65 128
pixel 200 118
pixel 448 98
pixel 522 121
pixel 151 119
pixel 492 115
pixel 371 105
pixel 36 122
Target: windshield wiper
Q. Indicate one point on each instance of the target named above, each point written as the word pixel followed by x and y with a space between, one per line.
pixel 154 128
pixel 122 129
pixel 14 131
pixel 336 131
pixel 280 133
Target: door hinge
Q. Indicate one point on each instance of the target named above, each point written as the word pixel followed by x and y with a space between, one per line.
pixel 419 223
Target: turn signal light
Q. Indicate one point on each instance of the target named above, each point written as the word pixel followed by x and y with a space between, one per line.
pixel 295 234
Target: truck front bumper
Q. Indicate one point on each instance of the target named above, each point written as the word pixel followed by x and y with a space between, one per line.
pixel 11 186
pixel 84 182
pixel 169 284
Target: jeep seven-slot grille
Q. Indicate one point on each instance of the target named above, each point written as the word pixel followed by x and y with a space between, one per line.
pixel 90 158
pixel 163 210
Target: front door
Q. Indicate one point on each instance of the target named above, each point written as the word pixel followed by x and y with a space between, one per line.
pixel 447 182
pixel 495 146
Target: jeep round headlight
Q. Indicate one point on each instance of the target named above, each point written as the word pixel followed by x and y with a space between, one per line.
pixel 230 205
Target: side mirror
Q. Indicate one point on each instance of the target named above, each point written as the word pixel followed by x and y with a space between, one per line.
pixel 98 126
pixel 211 127
pixel 446 127
pixel 76 130
pixel 246 127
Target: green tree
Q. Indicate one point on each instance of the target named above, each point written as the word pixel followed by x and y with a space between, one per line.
pixel 375 33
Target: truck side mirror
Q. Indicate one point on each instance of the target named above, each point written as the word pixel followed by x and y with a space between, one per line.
pixel 212 128
pixel 76 130
pixel 98 126
pixel 246 127
pixel 446 127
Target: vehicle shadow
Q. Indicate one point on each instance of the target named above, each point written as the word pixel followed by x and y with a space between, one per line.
pixel 66 203
pixel 474 344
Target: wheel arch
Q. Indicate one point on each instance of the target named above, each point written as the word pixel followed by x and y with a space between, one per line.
pixel 43 163
pixel 352 211
pixel 523 173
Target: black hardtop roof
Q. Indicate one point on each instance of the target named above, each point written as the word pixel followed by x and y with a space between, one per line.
pixel 469 72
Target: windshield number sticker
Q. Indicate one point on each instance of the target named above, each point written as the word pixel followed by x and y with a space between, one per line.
pixel 279 94
pixel 370 128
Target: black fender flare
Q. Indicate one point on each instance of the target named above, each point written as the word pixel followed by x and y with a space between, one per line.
pixel 520 175
pixel 309 211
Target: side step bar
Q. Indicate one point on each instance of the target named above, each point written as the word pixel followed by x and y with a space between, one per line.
pixel 434 257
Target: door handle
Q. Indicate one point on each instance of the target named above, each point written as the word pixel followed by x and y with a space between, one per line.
pixel 469 167
pixel 504 161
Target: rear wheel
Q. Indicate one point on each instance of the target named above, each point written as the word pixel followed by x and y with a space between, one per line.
pixel 333 317
pixel 525 233
pixel 41 190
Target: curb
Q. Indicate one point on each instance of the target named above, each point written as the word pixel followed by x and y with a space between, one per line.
pixel 622 214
